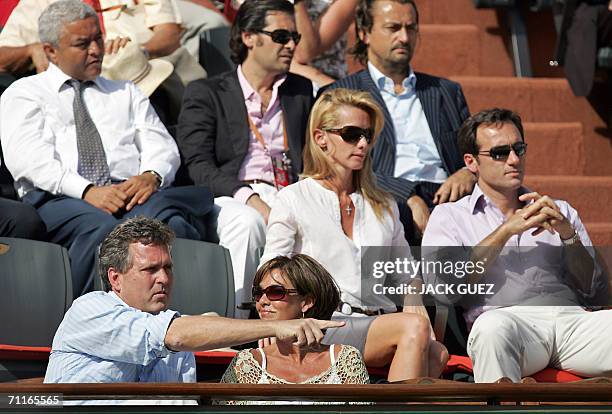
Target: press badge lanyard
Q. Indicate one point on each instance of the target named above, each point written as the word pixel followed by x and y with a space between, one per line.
pixel 282 167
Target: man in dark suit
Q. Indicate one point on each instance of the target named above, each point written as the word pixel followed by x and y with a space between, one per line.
pixel 241 133
pixel 417 158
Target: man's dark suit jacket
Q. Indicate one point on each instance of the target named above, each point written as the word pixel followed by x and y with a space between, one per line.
pixel 445 109
pixel 213 131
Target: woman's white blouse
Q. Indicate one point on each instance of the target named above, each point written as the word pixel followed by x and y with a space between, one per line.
pixel 305 218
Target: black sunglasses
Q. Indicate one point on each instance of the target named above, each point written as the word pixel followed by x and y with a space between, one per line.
pixel 283 36
pixel 352 134
pixel 503 151
pixel 272 292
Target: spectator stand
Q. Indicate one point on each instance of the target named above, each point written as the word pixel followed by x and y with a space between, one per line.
pixel 518 30
pixel 519 35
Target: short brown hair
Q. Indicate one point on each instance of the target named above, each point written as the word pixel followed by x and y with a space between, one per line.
pixel 309 278
pixel 115 249
pixel 494 116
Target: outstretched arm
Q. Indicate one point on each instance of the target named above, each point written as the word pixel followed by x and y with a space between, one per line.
pixel 200 333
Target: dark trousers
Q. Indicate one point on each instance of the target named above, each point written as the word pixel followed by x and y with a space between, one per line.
pixel 590 27
pixel 426 191
pixel 81 227
pixel 20 220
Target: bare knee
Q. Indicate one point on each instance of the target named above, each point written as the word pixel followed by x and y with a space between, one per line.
pixel 440 353
pixel 414 331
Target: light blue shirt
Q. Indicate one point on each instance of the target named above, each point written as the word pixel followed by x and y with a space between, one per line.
pixel 102 339
pixel 417 158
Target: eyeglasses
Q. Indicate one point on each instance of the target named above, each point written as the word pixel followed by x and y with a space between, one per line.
pixel 272 292
pixel 283 36
pixel 352 134
pixel 502 152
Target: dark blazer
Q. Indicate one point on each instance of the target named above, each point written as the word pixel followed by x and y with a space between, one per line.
pixel 213 131
pixel 445 109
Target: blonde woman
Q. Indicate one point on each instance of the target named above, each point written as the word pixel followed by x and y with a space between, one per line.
pixel 334 211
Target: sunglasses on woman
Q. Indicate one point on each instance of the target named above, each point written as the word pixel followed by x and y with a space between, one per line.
pixel 272 292
pixel 352 134
pixel 502 152
pixel 283 36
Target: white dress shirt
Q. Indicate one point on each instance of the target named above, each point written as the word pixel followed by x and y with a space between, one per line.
pixel 305 218
pixel 417 157
pixel 39 137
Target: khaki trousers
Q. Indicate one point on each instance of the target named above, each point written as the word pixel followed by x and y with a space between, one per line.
pixel 518 341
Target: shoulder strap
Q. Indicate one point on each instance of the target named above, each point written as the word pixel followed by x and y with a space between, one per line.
pixel 332 356
pixel 264 374
pixel 263 359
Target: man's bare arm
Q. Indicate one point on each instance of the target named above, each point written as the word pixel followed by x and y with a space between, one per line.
pixel 166 39
pixel 18 59
pixel 201 333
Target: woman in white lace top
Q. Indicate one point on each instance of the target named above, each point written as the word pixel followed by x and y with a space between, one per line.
pixel 292 288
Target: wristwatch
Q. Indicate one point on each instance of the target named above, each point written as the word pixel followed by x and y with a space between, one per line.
pixel 157 177
pixel 572 240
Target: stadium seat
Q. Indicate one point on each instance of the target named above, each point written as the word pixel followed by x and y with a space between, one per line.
pixel 203 278
pixel 215 51
pixel 36 286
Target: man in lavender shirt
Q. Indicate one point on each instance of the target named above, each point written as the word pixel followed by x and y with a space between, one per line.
pixel 537 255
pixel 236 127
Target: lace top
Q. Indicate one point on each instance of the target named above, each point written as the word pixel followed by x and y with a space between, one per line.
pixel 349 368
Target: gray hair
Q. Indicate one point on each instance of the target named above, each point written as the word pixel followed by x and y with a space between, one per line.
pixel 59 14
pixel 115 249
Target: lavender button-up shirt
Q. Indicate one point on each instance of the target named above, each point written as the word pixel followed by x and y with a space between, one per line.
pixel 257 164
pixel 529 270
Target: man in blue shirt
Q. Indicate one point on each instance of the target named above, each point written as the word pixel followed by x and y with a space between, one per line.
pixel 127 334
pixel 416 158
